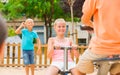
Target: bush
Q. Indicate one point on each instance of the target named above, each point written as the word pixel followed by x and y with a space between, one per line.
pixel 11 32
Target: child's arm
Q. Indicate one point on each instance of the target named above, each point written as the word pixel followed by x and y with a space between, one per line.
pixel 50 48
pixel 76 53
pixel 2 51
pixel 74 49
pixel 18 30
pixel 39 46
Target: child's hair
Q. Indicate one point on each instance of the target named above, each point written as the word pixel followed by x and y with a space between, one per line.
pixel 3 30
pixel 59 20
pixel 29 19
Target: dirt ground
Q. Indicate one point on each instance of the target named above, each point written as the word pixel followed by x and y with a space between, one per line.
pixel 21 71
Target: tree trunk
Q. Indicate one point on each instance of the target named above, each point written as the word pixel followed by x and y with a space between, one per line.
pixel 45 19
pixel 50 27
pixel 50 17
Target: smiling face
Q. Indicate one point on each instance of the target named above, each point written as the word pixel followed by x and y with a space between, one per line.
pixel 60 27
pixel 29 24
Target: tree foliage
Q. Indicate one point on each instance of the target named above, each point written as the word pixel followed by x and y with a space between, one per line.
pixel 47 10
pixel 11 32
pixel 77 7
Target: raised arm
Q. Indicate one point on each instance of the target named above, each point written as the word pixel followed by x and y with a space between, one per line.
pixel 50 48
pixel 18 30
pixel 89 8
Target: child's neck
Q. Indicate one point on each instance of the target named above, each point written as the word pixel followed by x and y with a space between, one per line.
pixel 60 37
pixel 30 30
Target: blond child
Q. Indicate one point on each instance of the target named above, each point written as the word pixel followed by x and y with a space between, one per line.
pixel 28 36
pixel 58 55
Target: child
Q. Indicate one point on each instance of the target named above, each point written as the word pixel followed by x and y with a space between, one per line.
pixel 27 44
pixel 3 35
pixel 58 55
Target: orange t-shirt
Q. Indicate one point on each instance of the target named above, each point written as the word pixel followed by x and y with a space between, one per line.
pixel 106 23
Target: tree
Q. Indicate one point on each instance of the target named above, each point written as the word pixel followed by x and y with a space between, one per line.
pixel 11 32
pixel 77 7
pixel 47 10
pixel 50 10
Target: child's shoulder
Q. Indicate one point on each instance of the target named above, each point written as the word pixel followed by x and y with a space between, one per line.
pixel 34 32
pixel 51 38
pixel 68 38
pixel 24 30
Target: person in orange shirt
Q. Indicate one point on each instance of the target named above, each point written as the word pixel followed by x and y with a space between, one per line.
pixel 106 24
pixel 3 35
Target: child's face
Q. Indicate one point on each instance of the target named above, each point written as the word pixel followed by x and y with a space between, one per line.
pixel 29 24
pixel 60 28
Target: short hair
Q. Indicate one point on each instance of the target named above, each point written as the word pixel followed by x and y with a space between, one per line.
pixel 29 19
pixel 59 20
pixel 3 30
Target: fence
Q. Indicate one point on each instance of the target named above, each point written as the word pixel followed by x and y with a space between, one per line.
pixel 13 56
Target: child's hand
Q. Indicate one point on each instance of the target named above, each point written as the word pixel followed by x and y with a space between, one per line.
pixel 38 52
pixel 23 24
pixel 74 47
pixel 76 53
pixel 57 47
pixel 90 31
pixel 50 54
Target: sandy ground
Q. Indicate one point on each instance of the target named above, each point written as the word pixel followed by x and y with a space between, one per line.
pixel 21 71
pixel 18 71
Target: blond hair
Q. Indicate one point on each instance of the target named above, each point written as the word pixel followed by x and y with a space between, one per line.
pixel 59 20
pixel 29 19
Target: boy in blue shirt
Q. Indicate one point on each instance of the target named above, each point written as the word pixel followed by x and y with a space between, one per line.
pixel 28 36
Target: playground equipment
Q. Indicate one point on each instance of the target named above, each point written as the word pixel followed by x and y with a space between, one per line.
pixel 104 64
pixel 65 70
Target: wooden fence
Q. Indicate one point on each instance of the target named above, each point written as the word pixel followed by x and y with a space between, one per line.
pixel 13 56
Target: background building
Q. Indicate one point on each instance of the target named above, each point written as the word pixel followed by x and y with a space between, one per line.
pixel 82 35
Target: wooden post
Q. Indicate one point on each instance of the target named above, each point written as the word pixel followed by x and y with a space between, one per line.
pixel 77 59
pixel 45 55
pixel 76 37
pixel 68 33
pixel 35 54
pixel 19 54
pixel 8 54
pixel 40 59
pixel 13 54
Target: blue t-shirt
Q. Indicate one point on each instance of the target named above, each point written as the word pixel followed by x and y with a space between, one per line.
pixel 27 39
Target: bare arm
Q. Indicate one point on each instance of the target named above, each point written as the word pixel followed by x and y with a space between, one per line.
pixel 39 46
pixel 89 8
pixel 74 49
pixel 87 20
pixel 50 48
pixel 76 53
pixel 18 30
pixel 2 51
